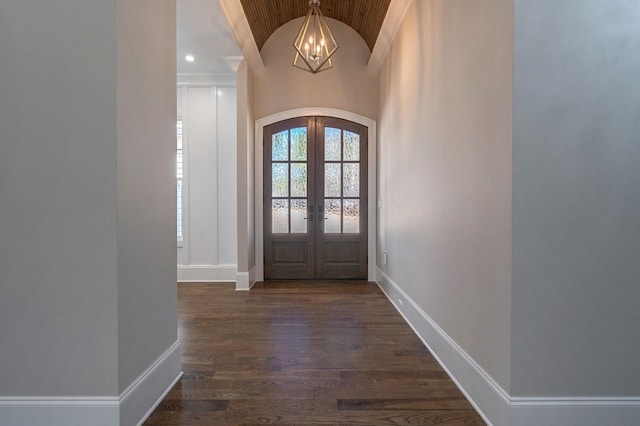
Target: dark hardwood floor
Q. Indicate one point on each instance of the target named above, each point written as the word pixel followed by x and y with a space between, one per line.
pixel 304 353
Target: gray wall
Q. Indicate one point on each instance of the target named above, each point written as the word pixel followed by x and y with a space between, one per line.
pixel 246 178
pixel 445 171
pixel 146 126
pixel 87 190
pixel 576 207
pixel 58 270
pixel 242 179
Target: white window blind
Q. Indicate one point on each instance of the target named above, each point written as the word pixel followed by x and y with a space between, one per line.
pixel 179 175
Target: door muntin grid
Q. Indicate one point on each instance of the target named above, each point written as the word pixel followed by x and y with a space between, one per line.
pixel 289 181
pixel 342 168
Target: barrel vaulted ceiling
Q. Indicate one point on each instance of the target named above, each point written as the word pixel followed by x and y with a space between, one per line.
pixel 364 16
pixel 219 33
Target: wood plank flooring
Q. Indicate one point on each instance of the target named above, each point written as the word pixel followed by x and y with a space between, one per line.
pixel 304 353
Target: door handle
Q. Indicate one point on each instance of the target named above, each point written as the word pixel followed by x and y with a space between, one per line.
pixel 309 214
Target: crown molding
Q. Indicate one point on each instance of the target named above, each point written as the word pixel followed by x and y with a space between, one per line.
pixel 234 13
pixel 233 62
pixel 207 79
pixel 395 14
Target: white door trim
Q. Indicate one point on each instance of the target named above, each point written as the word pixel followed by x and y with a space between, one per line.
pixel 372 168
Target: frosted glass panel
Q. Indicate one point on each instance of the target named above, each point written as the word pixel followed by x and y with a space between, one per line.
pixel 299 144
pixel 351 180
pixel 298 214
pixel 351 217
pixel 280 216
pixel 351 146
pixel 280 146
pixel 332 216
pixel 332 179
pixel 298 179
pixel 280 180
pixel 331 144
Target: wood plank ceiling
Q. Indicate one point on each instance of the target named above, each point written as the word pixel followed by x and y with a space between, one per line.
pixel 364 16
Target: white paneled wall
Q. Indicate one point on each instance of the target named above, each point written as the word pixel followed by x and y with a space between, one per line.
pixel 208 251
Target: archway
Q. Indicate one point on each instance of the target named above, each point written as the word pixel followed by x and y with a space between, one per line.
pixel 372 176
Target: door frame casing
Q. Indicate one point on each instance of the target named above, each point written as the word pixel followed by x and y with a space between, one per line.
pixel 259 170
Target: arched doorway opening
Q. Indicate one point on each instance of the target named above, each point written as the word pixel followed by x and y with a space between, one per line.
pixel 368 206
pixel 315 194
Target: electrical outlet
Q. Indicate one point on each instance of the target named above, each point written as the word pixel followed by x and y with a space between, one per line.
pixel 385 258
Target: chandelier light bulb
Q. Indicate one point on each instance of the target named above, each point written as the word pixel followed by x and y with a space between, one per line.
pixel 315 43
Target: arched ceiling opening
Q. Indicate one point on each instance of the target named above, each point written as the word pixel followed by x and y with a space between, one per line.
pixel 364 16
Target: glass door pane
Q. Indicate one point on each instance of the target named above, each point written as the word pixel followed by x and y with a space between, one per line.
pixel 315 192
pixel 289 181
pixel 341 181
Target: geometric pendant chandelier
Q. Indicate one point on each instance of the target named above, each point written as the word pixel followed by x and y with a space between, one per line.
pixel 315 43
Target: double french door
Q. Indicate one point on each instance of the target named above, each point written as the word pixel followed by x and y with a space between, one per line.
pixel 315 199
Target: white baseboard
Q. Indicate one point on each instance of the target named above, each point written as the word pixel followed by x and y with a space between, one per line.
pixel 132 407
pixel 252 276
pixel 207 273
pixel 575 411
pixel 245 280
pixel 490 400
pixel 142 396
pixel 27 411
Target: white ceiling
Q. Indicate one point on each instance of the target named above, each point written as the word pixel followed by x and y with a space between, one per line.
pixel 203 31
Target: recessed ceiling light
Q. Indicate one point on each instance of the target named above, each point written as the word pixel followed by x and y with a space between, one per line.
pixel 189 58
